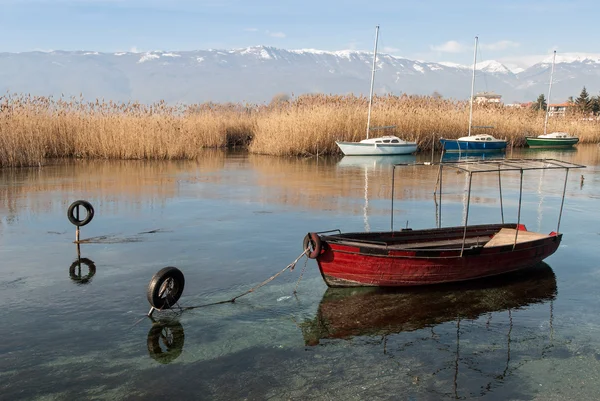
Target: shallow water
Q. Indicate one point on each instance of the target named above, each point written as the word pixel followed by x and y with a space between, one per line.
pixel 229 221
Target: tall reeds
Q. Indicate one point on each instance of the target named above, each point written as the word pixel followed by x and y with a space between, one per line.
pixel 33 129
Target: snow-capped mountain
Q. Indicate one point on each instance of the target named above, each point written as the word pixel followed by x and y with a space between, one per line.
pixel 256 74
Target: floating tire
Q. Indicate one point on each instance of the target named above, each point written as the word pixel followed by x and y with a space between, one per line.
pixel 165 341
pixel 75 270
pixel 74 216
pixel 165 288
pixel 312 242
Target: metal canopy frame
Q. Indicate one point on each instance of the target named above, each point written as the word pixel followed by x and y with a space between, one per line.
pixel 471 167
pixel 494 165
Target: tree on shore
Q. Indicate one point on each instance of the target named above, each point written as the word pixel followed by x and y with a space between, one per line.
pixel 596 105
pixel 583 103
pixel 540 103
pixel 436 95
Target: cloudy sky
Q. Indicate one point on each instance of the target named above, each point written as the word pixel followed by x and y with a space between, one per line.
pixel 516 32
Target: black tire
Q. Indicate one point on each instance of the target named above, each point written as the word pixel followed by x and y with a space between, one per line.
pixel 75 270
pixel 73 213
pixel 312 242
pixel 165 341
pixel 165 288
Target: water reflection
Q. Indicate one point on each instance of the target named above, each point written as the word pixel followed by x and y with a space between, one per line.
pixel 347 312
pixel 375 161
pixel 78 268
pixel 165 340
pixel 371 165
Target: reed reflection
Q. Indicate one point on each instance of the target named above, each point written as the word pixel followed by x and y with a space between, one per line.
pixel 42 190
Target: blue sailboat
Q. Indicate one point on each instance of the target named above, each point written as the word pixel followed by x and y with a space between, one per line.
pixel 473 143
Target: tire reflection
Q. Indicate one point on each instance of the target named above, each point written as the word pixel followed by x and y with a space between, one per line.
pixel 78 269
pixel 165 341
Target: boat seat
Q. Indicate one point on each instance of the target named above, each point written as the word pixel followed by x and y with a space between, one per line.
pixel 506 236
pixel 455 243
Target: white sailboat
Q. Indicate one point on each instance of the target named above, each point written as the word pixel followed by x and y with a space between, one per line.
pixel 554 139
pixel 384 145
pixel 473 143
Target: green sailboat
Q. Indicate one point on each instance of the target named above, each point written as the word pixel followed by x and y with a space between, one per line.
pixel 554 139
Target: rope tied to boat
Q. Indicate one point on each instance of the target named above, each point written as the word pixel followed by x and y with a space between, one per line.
pixel 302 272
pixel 289 267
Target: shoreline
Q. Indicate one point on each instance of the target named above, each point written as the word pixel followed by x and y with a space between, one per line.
pixel 36 129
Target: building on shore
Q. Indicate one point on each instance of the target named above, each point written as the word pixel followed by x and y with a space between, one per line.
pixel 558 109
pixel 488 97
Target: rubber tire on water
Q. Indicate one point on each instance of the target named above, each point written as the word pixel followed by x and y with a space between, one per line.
pixel 312 240
pixel 73 273
pixel 171 277
pixel 88 208
pixel 172 342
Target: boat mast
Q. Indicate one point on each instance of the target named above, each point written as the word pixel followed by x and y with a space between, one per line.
pixel 473 85
pixel 549 92
pixel 372 80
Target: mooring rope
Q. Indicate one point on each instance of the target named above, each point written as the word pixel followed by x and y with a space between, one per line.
pixel 232 300
pixel 301 273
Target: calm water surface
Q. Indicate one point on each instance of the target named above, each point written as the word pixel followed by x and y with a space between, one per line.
pixel 229 221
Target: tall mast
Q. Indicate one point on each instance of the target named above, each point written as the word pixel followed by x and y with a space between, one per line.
pixel 549 92
pixel 473 85
pixel 372 80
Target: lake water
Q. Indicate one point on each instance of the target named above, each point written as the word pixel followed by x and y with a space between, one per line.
pixel 231 220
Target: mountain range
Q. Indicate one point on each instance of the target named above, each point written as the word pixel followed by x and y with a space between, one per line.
pixel 258 73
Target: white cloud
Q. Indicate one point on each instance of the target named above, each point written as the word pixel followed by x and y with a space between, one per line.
pixel 390 49
pixel 276 34
pixel 451 46
pixel 500 45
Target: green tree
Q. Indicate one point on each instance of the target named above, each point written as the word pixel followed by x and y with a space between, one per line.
pixel 596 105
pixel 583 103
pixel 540 103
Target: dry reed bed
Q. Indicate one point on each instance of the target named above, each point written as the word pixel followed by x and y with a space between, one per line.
pixel 35 128
pixel 311 124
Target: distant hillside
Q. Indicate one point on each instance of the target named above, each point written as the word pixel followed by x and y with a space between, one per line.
pixel 256 74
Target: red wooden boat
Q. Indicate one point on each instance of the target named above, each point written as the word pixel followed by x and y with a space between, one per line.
pixel 439 255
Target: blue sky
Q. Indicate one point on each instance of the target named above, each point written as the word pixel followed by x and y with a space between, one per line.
pixel 510 31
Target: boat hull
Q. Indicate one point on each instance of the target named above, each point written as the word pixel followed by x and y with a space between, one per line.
pixel 432 256
pixel 368 149
pixel 453 145
pixel 535 142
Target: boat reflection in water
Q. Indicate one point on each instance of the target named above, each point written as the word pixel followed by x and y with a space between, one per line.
pixel 471 156
pixel 366 311
pixel 372 162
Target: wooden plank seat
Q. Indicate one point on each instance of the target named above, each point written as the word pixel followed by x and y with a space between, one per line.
pixel 506 236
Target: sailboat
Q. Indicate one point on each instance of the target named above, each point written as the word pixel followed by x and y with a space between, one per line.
pixel 473 143
pixel 384 145
pixel 554 139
